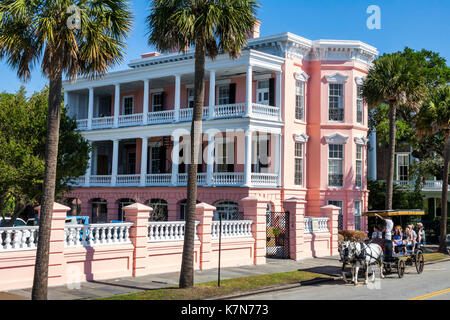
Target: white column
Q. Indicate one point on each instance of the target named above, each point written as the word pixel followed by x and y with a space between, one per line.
pixel 279 87
pixel 278 167
pixel 175 159
pixel 177 96
pixel 210 161
pixel 249 90
pixel 116 104
pixel 144 161
pixel 91 107
pixel 89 168
pixel 248 158
pixel 373 156
pixel 212 93
pixel 146 101
pixel 115 162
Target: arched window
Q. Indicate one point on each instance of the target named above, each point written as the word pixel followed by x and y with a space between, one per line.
pixel 75 207
pixel 160 210
pixel 228 209
pixel 99 212
pixel 183 209
pixel 123 203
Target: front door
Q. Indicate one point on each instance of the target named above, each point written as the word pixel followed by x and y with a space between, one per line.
pixel 263 92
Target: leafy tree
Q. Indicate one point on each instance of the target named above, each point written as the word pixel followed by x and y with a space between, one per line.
pixel 67 37
pixel 434 119
pixel 22 160
pixel 213 27
pixel 395 82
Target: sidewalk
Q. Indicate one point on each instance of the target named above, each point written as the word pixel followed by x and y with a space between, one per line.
pixel 107 288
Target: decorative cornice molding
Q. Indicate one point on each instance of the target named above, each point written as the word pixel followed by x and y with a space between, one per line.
pixel 337 78
pixel 336 138
pixel 301 138
pixel 361 141
pixel 302 76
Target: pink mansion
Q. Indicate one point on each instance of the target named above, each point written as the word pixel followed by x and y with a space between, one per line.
pixel 283 120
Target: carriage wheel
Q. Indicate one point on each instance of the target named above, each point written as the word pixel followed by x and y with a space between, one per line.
pixel 401 268
pixel 420 262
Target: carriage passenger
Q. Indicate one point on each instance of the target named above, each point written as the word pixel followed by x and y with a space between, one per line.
pixel 409 240
pixel 387 228
pixel 421 233
pixel 377 232
pixel 398 237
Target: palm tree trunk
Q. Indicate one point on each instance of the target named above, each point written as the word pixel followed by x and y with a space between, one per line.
pixel 40 281
pixel 443 242
pixel 392 140
pixel 187 265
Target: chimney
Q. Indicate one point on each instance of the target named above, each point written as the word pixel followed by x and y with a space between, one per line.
pixel 256 30
pixel 150 54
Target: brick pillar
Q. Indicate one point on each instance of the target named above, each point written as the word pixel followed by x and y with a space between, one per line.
pixel 204 213
pixel 139 214
pixel 332 212
pixel 296 208
pixel 57 264
pixel 255 209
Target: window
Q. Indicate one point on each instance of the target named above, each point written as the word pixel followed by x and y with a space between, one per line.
pixel 155 160
pixel 358 222
pixel 299 100
pixel 190 95
pixel 359 165
pixel 131 162
pixel 339 204
pixel 157 104
pixel 99 212
pixel 299 164
pixel 402 167
pixel 336 102
pixel 335 165
pixel 128 105
pixel 160 210
pixel 123 203
pixel 359 105
pixel 183 209
pixel 224 155
pixel 260 153
pixel 224 95
pixel 263 92
pixel 228 209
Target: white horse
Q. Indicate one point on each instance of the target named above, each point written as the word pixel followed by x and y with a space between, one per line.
pixel 367 255
pixel 343 249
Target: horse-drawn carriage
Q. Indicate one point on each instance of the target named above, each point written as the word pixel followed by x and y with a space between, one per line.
pixel 379 251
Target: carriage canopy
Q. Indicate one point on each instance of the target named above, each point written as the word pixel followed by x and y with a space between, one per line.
pixel 394 213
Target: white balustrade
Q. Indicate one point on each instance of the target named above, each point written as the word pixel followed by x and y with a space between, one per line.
pixel 168 231
pixel 229 110
pixel 161 117
pixel 159 179
pixel 315 225
pixel 130 120
pixel 264 179
pixel 185 114
pixel 97 234
pixel 265 112
pixel 100 180
pixel 232 229
pixel 183 178
pixel 101 123
pixel 228 179
pixel 18 238
pixel 80 181
pixel 128 179
pixel 82 124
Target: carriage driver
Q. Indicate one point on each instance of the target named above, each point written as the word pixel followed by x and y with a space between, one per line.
pixel 389 225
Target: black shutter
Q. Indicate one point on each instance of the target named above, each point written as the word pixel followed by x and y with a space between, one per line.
pixel 163 107
pixel 162 155
pixel 232 98
pixel 272 92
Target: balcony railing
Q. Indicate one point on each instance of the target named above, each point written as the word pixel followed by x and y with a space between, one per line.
pixel 429 185
pixel 232 229
pixel 228 111
pixel 18 238
pixel 315 225
pixel 97 234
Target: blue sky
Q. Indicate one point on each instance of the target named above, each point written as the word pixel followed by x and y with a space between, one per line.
pixel 414 23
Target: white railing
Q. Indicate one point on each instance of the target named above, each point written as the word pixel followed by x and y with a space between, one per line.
pixel 168 231
pixel 185 114
pixel 264 179
pixel 265 112
pixel 183 178
pixel 130 120
pixel 82 124
pixel 97 234
pixel 232 229
pixel 161 117
pixel 18 238
pixel 315 225
pixel 229 110
pixel 100 180
pixel 228 179
pixel 80 181
pixel 104 122
pixel 129 179
pixel 434 185
pixel 159 179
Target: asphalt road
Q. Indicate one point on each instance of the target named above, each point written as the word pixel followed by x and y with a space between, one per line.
pixel 432 284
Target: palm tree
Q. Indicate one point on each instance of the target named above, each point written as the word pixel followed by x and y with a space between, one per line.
pixel 213 27
pixel 392 80
pixel 434 118
pixel 68 37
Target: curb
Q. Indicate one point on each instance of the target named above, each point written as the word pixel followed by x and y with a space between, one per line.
pixel 437 261
pixel 275 288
